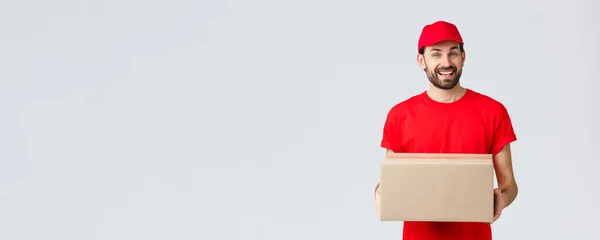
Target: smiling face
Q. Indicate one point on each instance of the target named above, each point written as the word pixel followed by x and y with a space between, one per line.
pixel 443 63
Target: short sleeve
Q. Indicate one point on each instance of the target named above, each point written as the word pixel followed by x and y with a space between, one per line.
pixel 503 131
pixel 392 133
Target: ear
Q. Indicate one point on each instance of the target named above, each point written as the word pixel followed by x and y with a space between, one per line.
pixel 421 61
pixel 464 56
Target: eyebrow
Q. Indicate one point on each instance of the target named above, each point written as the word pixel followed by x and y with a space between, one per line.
pixel 438 50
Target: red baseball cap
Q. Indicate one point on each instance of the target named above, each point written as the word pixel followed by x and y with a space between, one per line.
pixel 437 32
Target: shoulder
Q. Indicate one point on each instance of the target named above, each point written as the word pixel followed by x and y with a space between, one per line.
pixel 488 103
pixel 491 107
pixel 400 109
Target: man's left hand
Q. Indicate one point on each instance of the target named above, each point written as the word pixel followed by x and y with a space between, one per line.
pixel 499 203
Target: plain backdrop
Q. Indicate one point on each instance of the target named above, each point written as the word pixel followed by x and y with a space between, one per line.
pixel 262 119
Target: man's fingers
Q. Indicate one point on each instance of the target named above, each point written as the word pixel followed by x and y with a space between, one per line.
pixel 378 203
pixel 497 203
pixel 497 213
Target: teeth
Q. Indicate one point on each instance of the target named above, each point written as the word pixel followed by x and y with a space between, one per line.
pixel 445 73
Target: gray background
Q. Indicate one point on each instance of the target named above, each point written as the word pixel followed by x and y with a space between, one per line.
pixel 262 119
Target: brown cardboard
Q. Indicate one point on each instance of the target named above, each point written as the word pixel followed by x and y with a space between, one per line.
pixel 436 187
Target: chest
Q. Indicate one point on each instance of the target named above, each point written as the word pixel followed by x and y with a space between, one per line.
pixel 448 132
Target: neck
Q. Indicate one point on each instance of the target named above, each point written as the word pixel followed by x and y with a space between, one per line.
pixel 446 96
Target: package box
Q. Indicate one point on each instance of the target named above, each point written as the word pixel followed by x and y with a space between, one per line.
pixel 437 187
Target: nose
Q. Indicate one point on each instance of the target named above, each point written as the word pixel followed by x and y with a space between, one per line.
pixel 445 61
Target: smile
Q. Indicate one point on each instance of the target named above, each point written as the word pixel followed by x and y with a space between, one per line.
pixel 445 73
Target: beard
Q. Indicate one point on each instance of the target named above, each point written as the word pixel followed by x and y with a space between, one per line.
pixel 446 83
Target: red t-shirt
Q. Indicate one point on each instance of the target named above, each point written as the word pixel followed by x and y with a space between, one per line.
pixel 475 124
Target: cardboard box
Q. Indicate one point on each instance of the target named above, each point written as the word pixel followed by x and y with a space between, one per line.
pixel 437 187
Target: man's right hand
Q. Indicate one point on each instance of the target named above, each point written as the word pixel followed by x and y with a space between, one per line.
pixel 377 201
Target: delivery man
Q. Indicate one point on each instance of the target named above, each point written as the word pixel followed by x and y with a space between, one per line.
pixel 449 118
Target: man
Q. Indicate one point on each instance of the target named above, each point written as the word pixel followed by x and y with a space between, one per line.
pixel 448 118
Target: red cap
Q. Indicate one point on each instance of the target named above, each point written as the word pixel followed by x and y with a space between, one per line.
pixel 437 32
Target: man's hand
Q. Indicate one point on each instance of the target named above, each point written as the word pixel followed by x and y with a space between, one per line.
pixel 499 203
pixel 377 201
pixel 507 189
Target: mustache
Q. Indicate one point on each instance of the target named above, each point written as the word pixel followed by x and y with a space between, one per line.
pixel 446 68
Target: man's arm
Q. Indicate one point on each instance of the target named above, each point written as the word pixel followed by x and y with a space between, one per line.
pixel 388 152
pixel 507 184
pixel 377 200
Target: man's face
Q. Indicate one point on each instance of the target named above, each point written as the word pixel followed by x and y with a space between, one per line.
pixel 443 64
